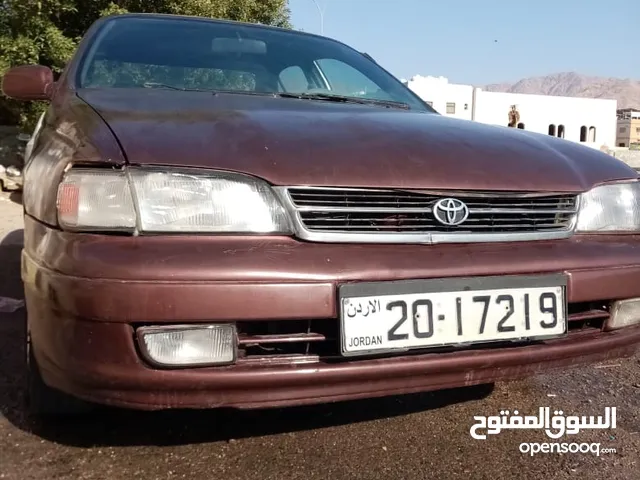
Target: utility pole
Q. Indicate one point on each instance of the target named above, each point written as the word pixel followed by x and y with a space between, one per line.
pixel 321 12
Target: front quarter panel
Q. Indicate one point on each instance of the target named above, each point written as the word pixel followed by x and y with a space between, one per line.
pixel 72 133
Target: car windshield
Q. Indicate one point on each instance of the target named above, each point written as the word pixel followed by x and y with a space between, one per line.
pixel 193 54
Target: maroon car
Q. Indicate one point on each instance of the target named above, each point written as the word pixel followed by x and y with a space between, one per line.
pixel 221 214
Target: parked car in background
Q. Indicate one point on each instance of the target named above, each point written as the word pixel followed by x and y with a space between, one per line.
pixel 221 214
pixel 11 175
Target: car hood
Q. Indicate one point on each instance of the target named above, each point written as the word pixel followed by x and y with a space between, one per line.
pixel 303 142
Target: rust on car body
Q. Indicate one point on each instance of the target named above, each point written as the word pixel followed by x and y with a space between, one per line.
pixel 370 167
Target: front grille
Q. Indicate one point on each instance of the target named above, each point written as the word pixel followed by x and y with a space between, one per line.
pixel 370 211
pixel 310 341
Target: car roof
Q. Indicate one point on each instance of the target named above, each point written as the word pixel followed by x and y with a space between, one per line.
pixel 168 16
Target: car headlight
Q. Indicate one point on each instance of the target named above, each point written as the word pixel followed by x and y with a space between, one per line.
pixel 610 208
pixel 155 201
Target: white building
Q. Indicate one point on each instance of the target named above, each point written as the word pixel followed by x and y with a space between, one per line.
pixel 447 98
pixel 585 120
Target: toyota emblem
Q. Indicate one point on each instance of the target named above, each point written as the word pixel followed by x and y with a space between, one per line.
pixel 450 211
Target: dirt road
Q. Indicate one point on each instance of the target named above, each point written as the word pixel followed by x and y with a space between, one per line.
pixel 412 437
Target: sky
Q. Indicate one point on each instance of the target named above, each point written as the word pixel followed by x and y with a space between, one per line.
pixel 484 41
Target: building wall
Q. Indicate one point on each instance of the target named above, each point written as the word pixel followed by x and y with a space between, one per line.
pixel 439 92
pixel 634 137
pixel 537 112
pixel 623 132
pixel 630 157
pixel 628 132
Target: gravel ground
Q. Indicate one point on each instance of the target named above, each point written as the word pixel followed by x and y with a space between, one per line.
pixel 410 437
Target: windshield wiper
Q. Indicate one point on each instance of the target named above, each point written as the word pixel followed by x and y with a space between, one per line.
pixel 245 92
pixel 328 97
pixel 171 87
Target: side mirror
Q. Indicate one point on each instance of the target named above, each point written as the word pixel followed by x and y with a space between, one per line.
pixel 28 82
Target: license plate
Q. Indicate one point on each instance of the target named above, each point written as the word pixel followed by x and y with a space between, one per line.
pixel 380 317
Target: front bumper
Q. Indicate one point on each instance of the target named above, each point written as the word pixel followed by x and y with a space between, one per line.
pixel 86 294
pixel 99 362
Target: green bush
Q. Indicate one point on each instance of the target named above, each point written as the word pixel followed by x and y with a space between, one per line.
pixel 46 32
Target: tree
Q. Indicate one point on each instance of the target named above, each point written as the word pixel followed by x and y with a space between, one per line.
pixel 46 32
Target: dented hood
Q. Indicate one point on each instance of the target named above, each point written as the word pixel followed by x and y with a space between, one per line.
pixel 303 142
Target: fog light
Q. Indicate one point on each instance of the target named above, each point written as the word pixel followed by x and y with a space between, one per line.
pixel 624 313
pixel 189 345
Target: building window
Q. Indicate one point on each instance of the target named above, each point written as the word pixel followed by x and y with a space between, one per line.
pixel 552 130
pixel 622 129
pixel 521 126
pixel 560 131
pixel 592 134
pixel 583 133
pixel 621 144
pixel 637 129
pixel 466 106
pixel 451 108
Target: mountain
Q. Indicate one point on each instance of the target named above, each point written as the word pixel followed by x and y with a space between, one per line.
pixel 570 84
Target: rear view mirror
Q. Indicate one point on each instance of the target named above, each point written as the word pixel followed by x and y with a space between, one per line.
pixel 238 45
pixel 28 82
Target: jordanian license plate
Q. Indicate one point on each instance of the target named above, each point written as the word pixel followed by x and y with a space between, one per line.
pixel 383 317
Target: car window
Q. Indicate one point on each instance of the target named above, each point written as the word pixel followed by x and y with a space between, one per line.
pixel 110 73
pixel 346 80
pixel 208 55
